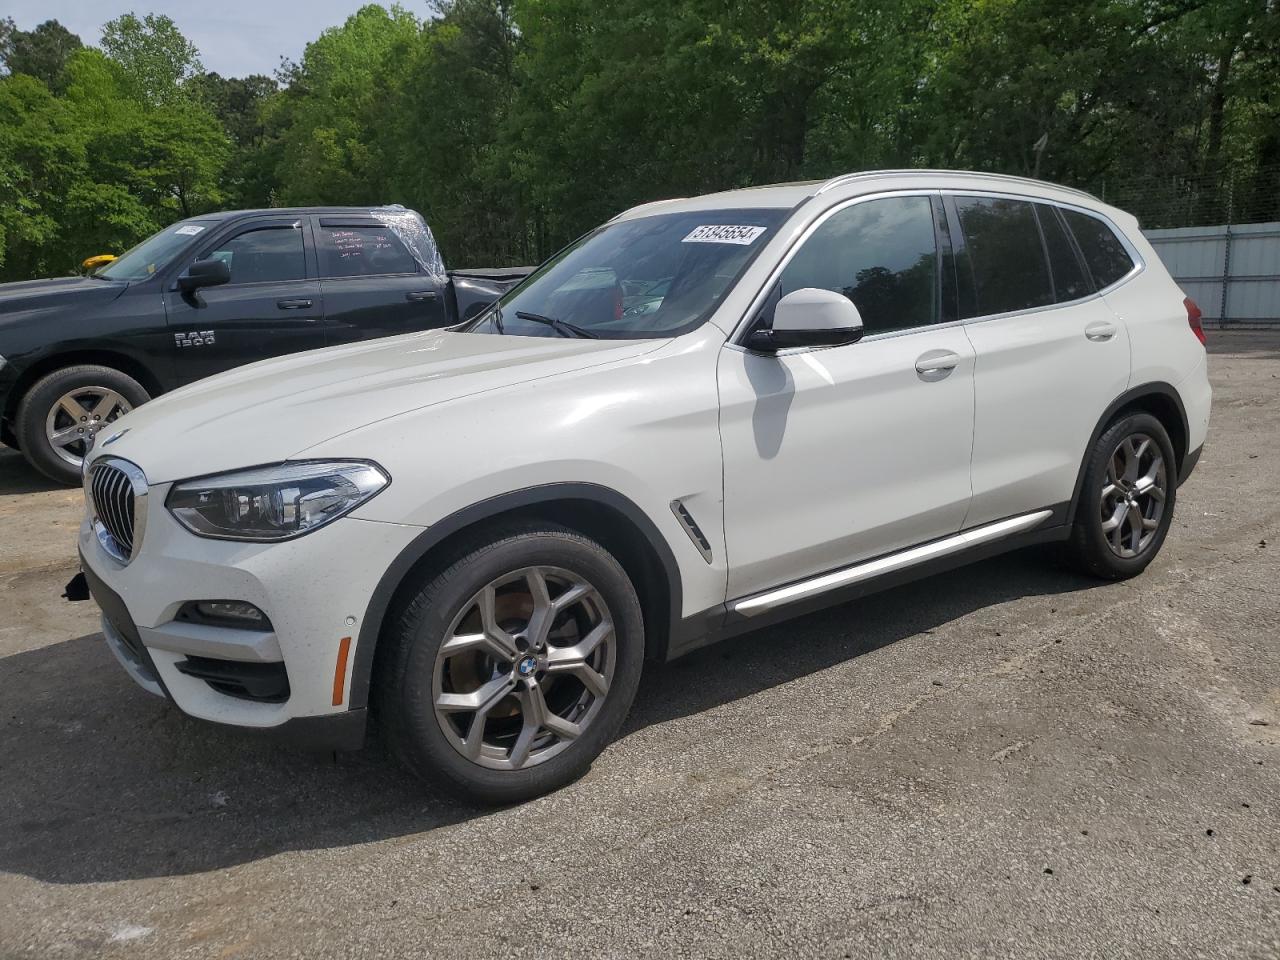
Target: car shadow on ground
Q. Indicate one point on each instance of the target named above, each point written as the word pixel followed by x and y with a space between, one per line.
pixel 103 782
pixel 17 476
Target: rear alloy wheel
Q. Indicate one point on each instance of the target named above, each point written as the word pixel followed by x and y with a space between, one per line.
pixel 1126 504
pixel 513 666
pixel 62 414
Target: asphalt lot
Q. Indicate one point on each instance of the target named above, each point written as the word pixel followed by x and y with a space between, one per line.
pixel 1004 761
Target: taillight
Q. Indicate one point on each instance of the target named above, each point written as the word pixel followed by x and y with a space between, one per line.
pixel 1193 318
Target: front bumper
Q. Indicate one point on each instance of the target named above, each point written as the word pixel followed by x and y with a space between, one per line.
pixel 314 590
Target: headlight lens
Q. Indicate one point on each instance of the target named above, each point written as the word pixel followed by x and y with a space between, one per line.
pixel 274 503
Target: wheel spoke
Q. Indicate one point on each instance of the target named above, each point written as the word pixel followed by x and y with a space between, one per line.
pixel 1135 527
pixel 544 611
pixel 106 403
pixel 481 701
pixel 73 408
pixel 488 603
pixel 1116 518
pixel 463 642
pixel 524 744
pixel 536 712
pixel 65 436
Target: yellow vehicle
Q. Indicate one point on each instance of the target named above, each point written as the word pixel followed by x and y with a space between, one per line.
pixel 100 260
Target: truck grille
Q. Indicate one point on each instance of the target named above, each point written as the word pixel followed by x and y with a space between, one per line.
pixel 115 489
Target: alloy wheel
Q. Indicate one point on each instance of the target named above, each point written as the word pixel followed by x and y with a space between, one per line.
pixel 76 418
pixel 525 668
pixel 1132 501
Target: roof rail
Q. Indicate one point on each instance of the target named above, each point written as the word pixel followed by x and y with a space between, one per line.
pixel 844 178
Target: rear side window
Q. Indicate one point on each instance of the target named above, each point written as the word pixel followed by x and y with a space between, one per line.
pixel 882 255
pixel 1005 255
pixel 359 250
pixel 1106 256
pixel 263 255
pixel 1069 281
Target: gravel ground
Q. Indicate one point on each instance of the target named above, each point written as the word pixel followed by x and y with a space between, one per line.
pixel 1003 761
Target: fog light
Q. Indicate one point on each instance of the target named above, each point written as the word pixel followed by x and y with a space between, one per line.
pixel 234 611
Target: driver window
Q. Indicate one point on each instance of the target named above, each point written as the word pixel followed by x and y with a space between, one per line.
pixel 882 255
pixel 263 254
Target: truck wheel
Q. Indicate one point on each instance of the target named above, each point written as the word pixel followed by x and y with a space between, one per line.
pixel 63 410
pixel 512 668
pixel 1126 505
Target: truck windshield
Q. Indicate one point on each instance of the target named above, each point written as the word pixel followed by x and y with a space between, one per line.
pixel 155 252
pixel 657 276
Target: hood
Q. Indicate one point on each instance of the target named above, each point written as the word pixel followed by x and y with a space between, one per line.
pixel 270 411
pixel 41 294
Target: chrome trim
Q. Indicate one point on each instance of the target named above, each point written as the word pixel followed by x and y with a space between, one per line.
pixel 751 606
pixel 691 529
pixel 113 509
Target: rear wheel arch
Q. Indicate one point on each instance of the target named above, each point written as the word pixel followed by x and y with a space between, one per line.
pixel 598 512
pixel 1157 398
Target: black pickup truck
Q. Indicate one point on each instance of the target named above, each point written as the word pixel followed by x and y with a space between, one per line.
pixel 208 294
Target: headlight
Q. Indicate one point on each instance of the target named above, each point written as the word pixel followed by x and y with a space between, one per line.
pixel 274 503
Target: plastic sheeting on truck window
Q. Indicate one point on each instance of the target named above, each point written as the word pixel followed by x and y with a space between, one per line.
pixel 415 235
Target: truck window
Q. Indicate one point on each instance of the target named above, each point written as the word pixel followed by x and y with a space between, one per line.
pixel 263 254
pixel 362 251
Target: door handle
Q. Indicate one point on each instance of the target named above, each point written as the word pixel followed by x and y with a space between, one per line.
pixel 302 304
pixel 1099 331
pixel 420 295
pixel 936 365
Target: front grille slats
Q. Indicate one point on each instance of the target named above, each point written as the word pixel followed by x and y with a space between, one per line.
pixel 113 502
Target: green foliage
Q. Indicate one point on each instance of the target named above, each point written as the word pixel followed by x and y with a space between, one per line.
pixel 41 53
pixel 514 125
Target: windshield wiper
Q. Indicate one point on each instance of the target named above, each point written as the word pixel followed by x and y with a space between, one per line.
pixel 558 325
pixel 497 318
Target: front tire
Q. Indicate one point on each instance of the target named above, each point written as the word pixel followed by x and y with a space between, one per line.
pixel 1126 503
pixel 512 668
pixel 65 409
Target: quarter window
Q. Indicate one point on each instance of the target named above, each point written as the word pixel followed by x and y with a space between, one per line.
pixel 263 255
pixel 1069 281
pixel 1106 256
pixel 360 250
pixel 882 255
pixel 1005 254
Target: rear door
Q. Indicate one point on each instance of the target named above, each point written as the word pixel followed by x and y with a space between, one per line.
pixel 272 306
pixel 1051 355
pixel 372 285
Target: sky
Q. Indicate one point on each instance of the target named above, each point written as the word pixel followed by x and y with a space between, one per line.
pixel 235 37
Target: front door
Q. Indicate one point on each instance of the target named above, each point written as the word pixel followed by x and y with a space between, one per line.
pixel 837 455
pixel 271 306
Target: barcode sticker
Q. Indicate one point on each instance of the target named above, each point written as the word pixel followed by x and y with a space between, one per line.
pixel 190 230
pixel 723 233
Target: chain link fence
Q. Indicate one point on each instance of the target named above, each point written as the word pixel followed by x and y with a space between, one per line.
pixel 1229 197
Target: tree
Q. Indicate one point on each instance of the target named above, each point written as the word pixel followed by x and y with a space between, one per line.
pixel 158 61
pixel 41 53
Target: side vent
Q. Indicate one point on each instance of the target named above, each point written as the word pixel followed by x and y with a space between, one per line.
pixel 692 529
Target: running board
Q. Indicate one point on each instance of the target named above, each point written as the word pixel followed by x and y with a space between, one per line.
pixel 762 602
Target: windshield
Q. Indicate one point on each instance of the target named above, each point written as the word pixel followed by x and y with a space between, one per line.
pixel 155 252
pixel 656 276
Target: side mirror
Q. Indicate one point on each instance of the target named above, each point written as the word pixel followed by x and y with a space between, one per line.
pixel 204 273
pixel 810 317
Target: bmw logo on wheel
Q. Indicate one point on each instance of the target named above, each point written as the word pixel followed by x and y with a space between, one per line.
pixel 527 666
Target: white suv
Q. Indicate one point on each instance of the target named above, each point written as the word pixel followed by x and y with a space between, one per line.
pixel 704 416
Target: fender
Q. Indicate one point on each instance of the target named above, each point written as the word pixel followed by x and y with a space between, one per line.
pixel 431 537
pixel 1156 388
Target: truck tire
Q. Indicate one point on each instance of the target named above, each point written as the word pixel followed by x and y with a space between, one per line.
pixel 64 409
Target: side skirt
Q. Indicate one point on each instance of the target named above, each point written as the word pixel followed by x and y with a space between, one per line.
pixel 763 609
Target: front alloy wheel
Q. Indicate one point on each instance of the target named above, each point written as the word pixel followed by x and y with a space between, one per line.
pixel 512 663
pixel 525 669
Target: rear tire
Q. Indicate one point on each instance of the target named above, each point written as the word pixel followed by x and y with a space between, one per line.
pixel 56 416
pixel 1126 502
pixel 478 691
